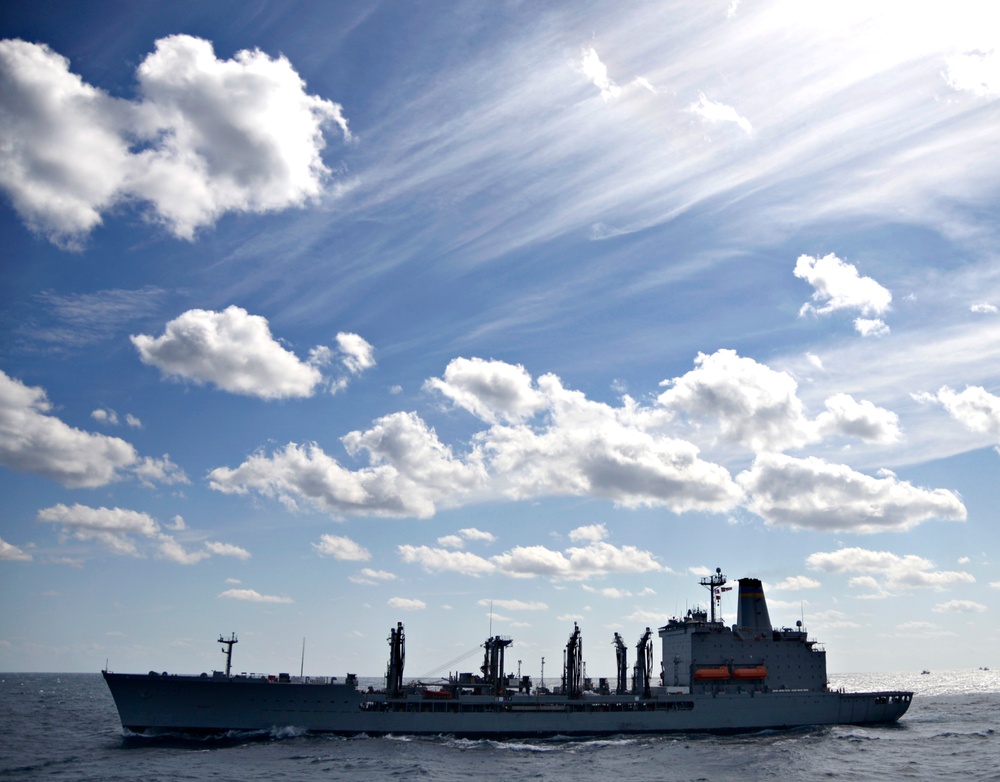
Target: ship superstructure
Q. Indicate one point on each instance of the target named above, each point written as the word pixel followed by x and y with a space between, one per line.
pixel 749 676
pixel 703 655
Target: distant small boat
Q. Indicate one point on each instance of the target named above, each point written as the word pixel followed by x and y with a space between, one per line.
pixel 924 672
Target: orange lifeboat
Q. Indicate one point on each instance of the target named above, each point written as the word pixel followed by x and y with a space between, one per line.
pixel 755 672
pixel 712 674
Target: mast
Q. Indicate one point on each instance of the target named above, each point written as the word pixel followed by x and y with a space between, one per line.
pixel 712 583
pixel 228 651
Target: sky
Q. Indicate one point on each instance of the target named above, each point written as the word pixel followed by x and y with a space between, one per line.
pixel 493 318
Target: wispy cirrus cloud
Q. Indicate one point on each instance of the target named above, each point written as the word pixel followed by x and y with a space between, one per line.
pixel 863 84
pixel 73 321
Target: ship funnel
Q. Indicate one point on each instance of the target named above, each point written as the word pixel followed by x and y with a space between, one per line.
pixel 753 608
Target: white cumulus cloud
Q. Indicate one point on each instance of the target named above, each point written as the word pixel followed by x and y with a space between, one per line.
pixel 371 576
pixel 231 349
pixel 12 553
pixel 975 72
pixel 886 571
pixel 173 551
pixel 356 354
pixel 838 286
pixel 846 416
pixel 975 407
pixel 109 417
pixel 591 532
pixel 597 72
pixel 150 471
pixel 481 536
pixel 871 327
pixel 131 532
pixel 227 550
pixel 206 136
pixel 65 156
pixel 437 560
pixel 113 527
pixel 32 440
pixel 713 111
pixel 426 474
pixel 253 596
pixel 515 605
pixel 407 603
pixel 811 493
pixel 959 607
pixel 543 439
pixel 490 390
pixel 340 547
pixel 597 558
pixel 795 583
pixel 751 404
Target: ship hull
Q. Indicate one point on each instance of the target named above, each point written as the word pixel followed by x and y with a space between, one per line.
pixel 195 705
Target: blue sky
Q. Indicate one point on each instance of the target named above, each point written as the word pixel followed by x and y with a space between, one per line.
pixel 318 317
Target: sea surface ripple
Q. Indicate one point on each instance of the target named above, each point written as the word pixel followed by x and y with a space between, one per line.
pixel 64 726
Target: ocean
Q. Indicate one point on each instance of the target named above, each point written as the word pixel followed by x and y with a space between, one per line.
pixel 64 726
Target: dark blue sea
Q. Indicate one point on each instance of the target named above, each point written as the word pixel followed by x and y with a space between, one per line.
pixel 64 726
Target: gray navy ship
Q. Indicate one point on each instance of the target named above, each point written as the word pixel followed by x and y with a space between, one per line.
pixel 714 678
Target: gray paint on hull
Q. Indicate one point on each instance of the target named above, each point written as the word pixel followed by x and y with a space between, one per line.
pixel 196 705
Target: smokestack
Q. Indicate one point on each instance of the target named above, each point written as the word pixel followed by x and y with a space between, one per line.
pixel 752 613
